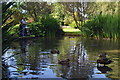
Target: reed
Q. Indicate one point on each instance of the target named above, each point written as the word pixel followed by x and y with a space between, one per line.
pixel 103 26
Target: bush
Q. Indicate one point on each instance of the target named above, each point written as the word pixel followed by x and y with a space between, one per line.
pixel 36 28
pixel 46 26
pixel 102 26
pixel 51 26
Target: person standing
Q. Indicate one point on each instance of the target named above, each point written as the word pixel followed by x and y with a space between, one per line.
pixel 23 25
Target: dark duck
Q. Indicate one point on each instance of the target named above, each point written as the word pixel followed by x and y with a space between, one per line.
pixel 103 59
pixel 54 51
pixel 64 62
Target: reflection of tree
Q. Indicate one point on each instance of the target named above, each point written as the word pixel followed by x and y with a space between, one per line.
pixel 48 43
pixel 79 63
pixel 33 56
pixel 33 59
pixel 97 46
pixel 94 45
pixel 81 68
pixel 72 48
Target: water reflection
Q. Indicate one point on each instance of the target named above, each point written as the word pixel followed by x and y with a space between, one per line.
pixel 23 45
pixel 36 61
pixel 104 69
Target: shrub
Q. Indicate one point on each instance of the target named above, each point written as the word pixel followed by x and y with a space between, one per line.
pixel 46 26
pixel 102 26
pixel 36 28
pixel 51 26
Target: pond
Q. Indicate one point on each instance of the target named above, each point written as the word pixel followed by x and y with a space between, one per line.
pixel 32 59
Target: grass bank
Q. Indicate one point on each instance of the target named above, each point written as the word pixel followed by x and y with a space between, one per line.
pixel 72 31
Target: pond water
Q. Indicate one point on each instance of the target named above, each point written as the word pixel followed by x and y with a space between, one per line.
pixel 31 58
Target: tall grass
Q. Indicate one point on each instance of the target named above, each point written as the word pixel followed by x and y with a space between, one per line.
pixel 103 26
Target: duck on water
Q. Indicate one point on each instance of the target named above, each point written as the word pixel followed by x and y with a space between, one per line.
pixel 64 62
pixel 54 51
pixel 103 59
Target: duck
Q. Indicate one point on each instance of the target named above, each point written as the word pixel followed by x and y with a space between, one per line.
pixel 54 51
pixel 102 55
pixel 103 59
pixel 63 62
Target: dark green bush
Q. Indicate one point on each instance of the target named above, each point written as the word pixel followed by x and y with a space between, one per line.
pixel 36 28
pixel 47 26
pixel 105 26
pixel 51 26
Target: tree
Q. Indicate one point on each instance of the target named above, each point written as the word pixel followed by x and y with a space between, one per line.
pixel 58 12
pixel 104 22
pixel 44 22
pixel 77 11
pixel 36 9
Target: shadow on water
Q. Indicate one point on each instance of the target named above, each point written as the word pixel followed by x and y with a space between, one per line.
pixel 35 60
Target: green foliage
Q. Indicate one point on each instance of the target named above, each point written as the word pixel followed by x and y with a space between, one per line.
pixel 6 14
pixel 58 12
pixel 10 17
pixel 48 17
pixel 36 9
pixel 51 25
pixel 111 26
pixel 46 26
pixel 68 19
pixel 102 26
pixel 73 24
pixel 36 28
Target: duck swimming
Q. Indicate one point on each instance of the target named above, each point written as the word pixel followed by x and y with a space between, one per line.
pixel 63 62
pixel 54 51
pixel 103 59
pixel 102 55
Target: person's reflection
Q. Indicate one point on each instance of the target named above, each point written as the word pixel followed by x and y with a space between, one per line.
pixel 23 44
pixel 104 69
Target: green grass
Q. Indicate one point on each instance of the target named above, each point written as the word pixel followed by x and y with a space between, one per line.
pixel 72 30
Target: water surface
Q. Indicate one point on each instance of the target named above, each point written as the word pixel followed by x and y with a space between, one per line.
pixel 32 58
